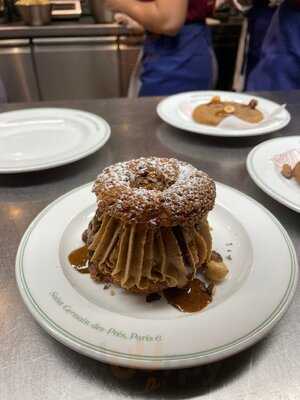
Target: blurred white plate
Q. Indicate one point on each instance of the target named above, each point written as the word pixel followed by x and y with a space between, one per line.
pixel 268 177
pixel 176 110
pixel 122 328
pixel 43 138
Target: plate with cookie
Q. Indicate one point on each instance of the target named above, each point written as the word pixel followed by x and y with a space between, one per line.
pixel 152 267
pixel 225 114
pixel 274 166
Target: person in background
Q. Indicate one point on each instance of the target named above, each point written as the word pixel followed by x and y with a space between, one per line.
pixel 177 54
pixel 279 65
pixel 259 15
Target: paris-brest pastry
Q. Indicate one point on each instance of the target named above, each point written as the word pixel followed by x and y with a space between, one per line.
pixel 150 230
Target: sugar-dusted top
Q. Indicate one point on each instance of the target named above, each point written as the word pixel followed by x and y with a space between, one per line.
pixel 160 191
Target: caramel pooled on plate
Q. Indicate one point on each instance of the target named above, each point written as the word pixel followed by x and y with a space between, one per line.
pixel 214 112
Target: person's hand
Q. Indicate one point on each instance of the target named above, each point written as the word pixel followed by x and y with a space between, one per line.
pixel 128 22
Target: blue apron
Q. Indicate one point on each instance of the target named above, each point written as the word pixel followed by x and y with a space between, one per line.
pixel 259 19
pixel 279 67
pixel 179 63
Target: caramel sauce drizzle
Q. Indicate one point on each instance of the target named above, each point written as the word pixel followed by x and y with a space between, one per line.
pixel 78 259
pixel 192 298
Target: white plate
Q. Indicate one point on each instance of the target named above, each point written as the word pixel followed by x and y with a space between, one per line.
pixel 268 177
pixel 125 330
pixel 174 111
pixel 43 138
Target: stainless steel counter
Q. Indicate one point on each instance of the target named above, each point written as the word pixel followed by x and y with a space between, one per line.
pixel 82 27
pixel 85 26
pixel 34 366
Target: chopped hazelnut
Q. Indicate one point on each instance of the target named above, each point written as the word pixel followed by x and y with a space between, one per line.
pixel 287 171
pixel 216 271
pixel 253 104
pixel 215 99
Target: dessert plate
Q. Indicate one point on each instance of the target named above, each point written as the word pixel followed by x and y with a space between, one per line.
pixel 267 176
pixel 113 326
pixel 42 138
pixel 176 110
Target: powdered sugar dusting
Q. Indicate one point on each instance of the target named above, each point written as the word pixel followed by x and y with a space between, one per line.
pixel 160 191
